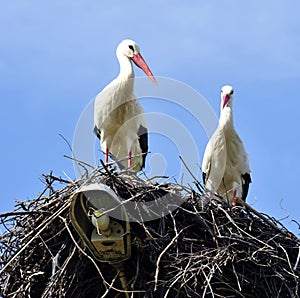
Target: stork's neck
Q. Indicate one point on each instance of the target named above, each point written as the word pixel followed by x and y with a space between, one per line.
pixel 226 118
pixel 126 69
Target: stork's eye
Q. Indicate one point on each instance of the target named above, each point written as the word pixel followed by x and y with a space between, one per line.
pixel 231 92
pixel 131 47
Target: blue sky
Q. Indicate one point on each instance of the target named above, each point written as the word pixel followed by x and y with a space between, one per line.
pixel 55 56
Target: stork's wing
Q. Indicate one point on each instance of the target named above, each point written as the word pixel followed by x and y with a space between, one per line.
pixel 243 164
pixel 246 180
pixel 203 177
pixel 106 104
pixel 102 106
pixel 243 157
pixel 141 120
pixel 214 160
pixel 97 132
pixel 206 163
pixel 142 131
pixel 143 141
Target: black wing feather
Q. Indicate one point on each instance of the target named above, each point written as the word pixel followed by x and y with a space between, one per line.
pixel 204 177
pixel 143 140
pixel 97 132
pixel 247 180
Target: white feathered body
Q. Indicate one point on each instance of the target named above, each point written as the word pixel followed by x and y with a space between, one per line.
pixel 214 160
pixel 225 164
pixel 118 117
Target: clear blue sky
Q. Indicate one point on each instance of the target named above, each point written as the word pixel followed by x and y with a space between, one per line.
pixel 55 56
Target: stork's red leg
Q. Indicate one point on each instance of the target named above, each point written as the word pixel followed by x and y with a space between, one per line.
pixel 106 156
pixel 234 198
pixel 129 159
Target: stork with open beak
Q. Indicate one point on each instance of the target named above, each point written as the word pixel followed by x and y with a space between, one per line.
pixel 119 118
pixel 225 165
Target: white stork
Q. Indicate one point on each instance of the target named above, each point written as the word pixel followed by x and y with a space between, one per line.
pixel 225 165
pixel 119 120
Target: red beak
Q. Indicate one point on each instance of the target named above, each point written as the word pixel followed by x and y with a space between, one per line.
pixel 140 62
pixel 225 100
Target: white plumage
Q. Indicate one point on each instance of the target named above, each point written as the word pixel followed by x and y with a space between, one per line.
pixel 225 163
pixel 119 118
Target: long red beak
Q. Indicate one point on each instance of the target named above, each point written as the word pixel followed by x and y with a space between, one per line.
pixel 140 62
pixel 225 100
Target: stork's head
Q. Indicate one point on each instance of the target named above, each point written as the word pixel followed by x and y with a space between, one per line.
pixel 131 50
pixel 226 96
pixel 128 48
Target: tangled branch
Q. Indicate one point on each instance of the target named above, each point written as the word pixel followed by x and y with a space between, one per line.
pixel 198 250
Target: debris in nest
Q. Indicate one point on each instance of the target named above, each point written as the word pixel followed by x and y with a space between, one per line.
pixel 195 250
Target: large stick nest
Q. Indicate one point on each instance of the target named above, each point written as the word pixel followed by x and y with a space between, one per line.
pixel 198 250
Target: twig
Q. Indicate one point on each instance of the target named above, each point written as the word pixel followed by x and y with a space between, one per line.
pixel 79 161
pixel 297 261
pixel 242 203
pixel 161 254
pixel 198 185
pixel 40 229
